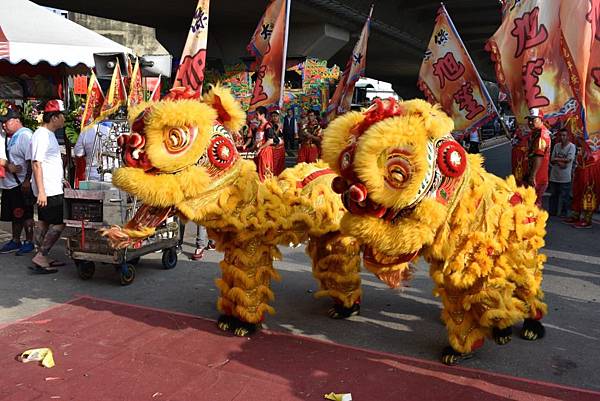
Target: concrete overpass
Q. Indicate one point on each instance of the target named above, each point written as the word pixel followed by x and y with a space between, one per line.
pixel 321 28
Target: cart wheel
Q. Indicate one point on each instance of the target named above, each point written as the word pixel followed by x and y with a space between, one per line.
pixel 127 273
pixel 169 258
pixel 135 261
pixel 85 269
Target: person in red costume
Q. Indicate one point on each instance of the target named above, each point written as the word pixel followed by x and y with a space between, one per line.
pixel 311 136
pixel 539 154
pixel 263 140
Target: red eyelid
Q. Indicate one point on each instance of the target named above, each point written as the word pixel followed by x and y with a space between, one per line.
pixel 399 152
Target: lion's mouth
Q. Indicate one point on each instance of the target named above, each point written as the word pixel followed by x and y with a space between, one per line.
pixel 150 217
pixel 375 258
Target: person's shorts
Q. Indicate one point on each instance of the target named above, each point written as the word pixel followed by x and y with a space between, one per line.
pixel 15 206
pixel 52 213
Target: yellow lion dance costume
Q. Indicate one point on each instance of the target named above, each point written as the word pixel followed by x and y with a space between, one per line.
pixel 411 191
pixel 181 160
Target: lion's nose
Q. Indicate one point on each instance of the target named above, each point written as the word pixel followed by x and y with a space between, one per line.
pixel 358 193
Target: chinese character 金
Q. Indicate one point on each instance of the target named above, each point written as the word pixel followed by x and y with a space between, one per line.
pixel 527 32
pixel 466 101
pixel 357 58
pixel 267 30
pixel 199 21
pixel 532 71
pixel 428 55
pixel 447 67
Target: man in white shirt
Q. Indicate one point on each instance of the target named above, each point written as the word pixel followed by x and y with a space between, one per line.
pixel 561 166
pixel 85 148
pixel 17 200
pixel 47 186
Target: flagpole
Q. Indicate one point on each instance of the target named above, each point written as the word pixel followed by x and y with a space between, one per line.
pixel 481 84
pixel 285 44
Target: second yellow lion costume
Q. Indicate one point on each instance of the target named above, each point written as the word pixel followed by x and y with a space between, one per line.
pixel 412 191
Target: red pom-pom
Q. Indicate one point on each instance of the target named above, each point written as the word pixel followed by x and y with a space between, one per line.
pixel 451 159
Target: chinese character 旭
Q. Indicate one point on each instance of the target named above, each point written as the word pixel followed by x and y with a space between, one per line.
pixel 528 32
pixel 191 70
pixel 447 67
pixel 532 71
pixel 466 101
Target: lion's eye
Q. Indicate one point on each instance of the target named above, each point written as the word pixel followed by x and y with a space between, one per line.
pixel 399 171
pixel 177 139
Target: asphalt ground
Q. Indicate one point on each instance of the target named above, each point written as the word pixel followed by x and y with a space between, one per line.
pixel 404 322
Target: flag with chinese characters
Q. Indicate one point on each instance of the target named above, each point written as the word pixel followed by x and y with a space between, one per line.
pixel 193 60
pixel 449 77
pixel 93 103
pixel 116 96
pixel 136 89
pixel 580 25
pixel 355 68
pixel 268 45
pixel 530 60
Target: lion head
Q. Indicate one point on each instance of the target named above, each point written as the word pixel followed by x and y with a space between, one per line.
pixel 399 174
pixel 178 149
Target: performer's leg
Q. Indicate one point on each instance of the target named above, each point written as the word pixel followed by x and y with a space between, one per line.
pixel 336 265
pixel 465 334
pixel 247 270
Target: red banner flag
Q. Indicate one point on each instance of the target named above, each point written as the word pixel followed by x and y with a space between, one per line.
pixel 530 63
pixel 269 46
pixel 355 68
pixel 193 60
pixel 449 77
pixel 93 103
pixel 580 26
pixel 136 88
pixel 117 96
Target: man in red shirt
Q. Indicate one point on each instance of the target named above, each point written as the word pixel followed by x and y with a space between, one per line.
pixel 539 154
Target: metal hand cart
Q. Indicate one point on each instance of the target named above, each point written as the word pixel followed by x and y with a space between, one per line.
pixel 97 204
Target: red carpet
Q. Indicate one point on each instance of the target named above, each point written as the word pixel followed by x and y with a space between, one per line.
pixel 109 351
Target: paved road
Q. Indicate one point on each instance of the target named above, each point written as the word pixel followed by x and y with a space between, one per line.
pixel 403 322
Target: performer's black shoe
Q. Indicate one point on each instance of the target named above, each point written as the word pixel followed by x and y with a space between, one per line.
pixel 502 336
pixel 452 357
pixel 532 330
pixel 338 311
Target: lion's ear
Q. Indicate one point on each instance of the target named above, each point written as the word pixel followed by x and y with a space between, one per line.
pixel 336 137
pixel 229 111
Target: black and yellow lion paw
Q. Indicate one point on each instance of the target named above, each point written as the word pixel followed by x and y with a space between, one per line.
pixel 225 322
pixel 338 311
pixel 236 326
pixel 532 330
pixel 502 336
pixel 452 357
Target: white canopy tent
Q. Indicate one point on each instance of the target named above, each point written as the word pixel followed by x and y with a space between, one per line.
pixel 31 33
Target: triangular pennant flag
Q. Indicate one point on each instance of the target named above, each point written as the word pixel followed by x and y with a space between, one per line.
pixel 155 96
pixel 449 77
pixel 355 68
pixel 191 70
pixel 93 103
pixel 116 94
pixel 136 89
pixel 269 46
